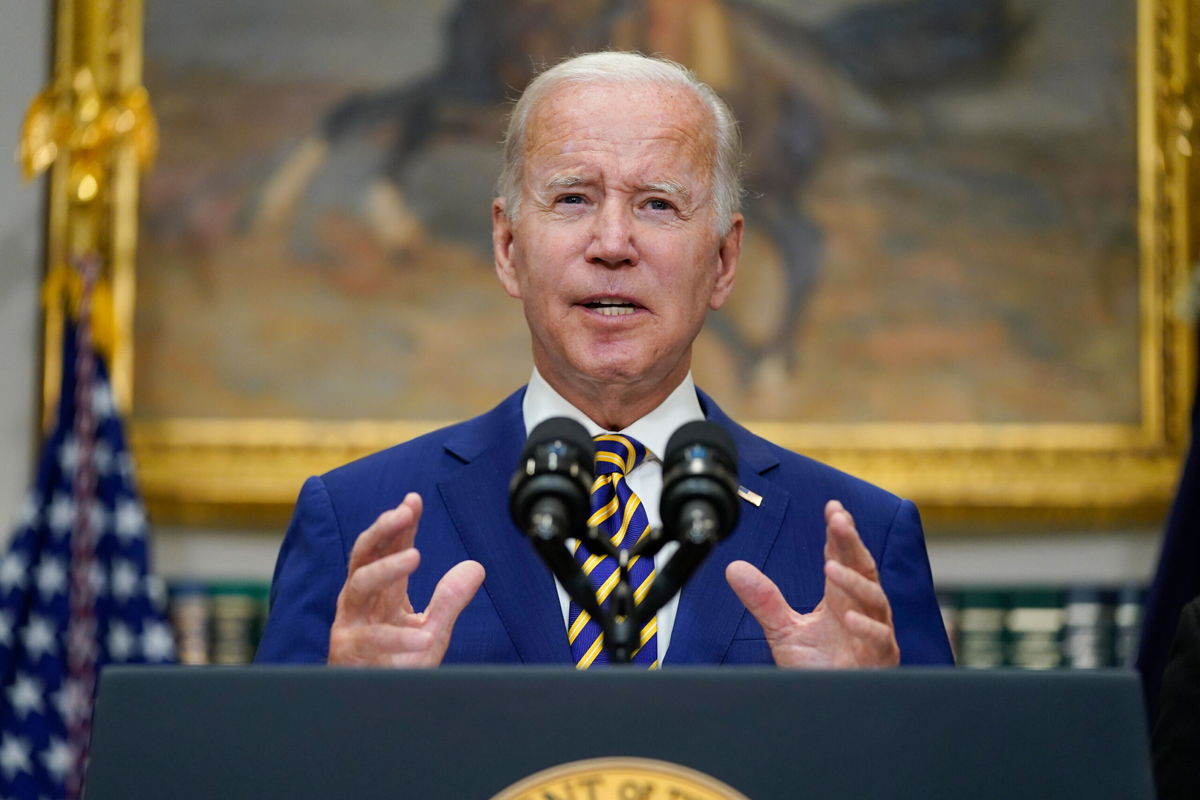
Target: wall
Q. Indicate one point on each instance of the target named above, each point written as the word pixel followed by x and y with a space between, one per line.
pixel 1082 556
pixel 23 59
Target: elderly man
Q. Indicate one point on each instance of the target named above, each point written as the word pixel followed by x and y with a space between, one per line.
pixel 617 228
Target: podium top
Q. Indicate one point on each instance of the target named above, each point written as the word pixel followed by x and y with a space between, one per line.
pixel 315 732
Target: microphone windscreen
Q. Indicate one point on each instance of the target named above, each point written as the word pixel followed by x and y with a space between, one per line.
pixel 709 435
pixel 562 429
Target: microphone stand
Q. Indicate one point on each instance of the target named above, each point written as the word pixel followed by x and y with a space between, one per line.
pixel 548 500
pixel 624 621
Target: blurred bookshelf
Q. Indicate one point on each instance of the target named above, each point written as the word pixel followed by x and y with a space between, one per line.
pixel 217 622
pixel 1078 626
pixel 1083 626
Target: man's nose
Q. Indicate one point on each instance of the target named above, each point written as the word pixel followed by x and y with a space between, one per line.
pixel 612 242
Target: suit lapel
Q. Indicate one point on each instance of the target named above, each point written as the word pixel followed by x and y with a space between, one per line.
pixel 518 583
pixel 709 612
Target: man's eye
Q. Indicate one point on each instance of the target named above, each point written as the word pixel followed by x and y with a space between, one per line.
pixel 571 199
pixel 658 204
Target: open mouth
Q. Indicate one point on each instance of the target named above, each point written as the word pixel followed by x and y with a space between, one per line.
pixel 612 306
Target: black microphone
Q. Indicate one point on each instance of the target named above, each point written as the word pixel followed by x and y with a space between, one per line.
pixel 550 490
pixel 699 507
pixel 699 497
pixel 550 500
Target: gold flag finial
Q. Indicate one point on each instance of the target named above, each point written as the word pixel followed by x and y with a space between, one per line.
pixel 77 118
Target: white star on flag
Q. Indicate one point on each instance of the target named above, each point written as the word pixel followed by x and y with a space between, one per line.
pixel 130 520
pixel 26 695
pixel 57 757
pixel 13 570
pixel 51 578
pixel 158 643
pixel 14 756
pixel 6 628
pixel 125 579
pixel 38 637
pixel 121 642
pixel 62 514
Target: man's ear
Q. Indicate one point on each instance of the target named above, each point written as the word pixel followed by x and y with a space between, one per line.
pixel 728 252
pixel 502 248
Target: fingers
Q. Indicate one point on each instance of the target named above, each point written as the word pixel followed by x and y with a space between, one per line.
pixel 874 642
pixel 854 595
pixel 760 596
pixel 858 593
pixel 376 626
pixel 451 595
pixel 375 622
pixel 393 531
pixel 842 542
pixel 851 577
pixel 368 589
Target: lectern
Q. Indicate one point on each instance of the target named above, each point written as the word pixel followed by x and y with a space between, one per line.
pixel 466 733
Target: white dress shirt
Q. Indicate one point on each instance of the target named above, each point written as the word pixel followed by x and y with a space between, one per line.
pixel 653 430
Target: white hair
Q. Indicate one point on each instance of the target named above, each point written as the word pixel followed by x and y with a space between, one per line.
pixel 628 68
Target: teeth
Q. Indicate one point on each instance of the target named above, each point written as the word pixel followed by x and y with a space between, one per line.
pixel 612 307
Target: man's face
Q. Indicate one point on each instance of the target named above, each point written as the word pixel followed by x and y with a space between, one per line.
pixel 615 251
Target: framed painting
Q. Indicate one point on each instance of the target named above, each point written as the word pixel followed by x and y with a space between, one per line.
pixel 969 234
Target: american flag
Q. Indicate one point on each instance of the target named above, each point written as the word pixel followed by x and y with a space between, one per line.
pixel 75 588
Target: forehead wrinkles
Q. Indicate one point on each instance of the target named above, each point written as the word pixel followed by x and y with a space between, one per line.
pixel 621 119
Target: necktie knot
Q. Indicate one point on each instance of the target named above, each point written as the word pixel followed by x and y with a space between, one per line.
pixel 616 452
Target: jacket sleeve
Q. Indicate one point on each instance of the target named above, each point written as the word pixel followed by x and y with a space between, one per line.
pixel 308 577
pixel 908 582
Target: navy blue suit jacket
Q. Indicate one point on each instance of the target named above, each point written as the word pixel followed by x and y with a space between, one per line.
pixel 462 473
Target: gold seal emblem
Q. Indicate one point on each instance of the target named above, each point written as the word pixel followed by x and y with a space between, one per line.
pixel 620 779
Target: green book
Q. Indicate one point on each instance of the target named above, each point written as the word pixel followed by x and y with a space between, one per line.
pixel 981 628
pixel 238 612
pixel 190 611
pixel 1033 627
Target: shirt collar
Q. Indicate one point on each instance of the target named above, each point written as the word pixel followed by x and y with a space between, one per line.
pixel 653 430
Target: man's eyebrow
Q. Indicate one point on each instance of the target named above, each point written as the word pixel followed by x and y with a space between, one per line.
pixel 669 187
pixel 564 181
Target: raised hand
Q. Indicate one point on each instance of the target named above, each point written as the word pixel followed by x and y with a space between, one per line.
pixel 375 624
pixel 850 627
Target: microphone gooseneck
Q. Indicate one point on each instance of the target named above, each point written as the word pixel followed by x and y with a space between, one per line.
pixel 550 499
pixel 699 505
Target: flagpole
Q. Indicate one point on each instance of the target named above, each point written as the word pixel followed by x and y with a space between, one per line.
pixel 93 129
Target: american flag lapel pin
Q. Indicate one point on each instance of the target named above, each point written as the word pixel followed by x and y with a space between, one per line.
pixel 750 497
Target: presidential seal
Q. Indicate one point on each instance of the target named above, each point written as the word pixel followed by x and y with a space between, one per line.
pixel 620 779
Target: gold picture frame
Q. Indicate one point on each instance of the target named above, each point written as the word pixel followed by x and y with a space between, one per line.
pixel 240 471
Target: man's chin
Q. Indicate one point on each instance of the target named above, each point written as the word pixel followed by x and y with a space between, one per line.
pixel 610 368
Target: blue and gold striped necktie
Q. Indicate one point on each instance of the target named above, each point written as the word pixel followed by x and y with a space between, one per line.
pixel 618 512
